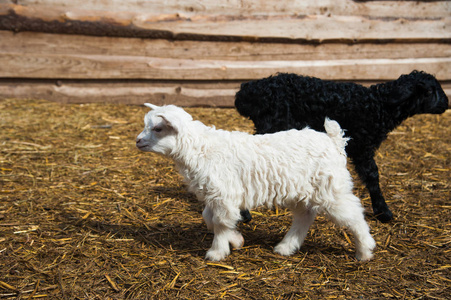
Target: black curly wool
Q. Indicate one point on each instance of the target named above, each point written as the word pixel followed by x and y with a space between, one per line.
pixel 367 114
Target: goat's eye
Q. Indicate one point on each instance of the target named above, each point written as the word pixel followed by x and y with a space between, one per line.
pixel 157 129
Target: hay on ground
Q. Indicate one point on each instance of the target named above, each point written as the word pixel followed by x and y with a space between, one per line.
pixel 85 215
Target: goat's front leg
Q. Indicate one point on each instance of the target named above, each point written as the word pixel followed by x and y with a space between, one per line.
pixel 367 170
pixel 224 233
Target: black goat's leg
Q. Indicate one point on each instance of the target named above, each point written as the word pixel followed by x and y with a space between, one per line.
pixel 367 170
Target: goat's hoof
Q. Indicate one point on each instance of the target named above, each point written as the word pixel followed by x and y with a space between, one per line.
pixel 368 255
pixel 215 255
pixel 245 216
pixel 385 216
pixel 284 250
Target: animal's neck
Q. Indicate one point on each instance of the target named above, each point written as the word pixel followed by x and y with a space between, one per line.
pixel 191 148
pixel 395 110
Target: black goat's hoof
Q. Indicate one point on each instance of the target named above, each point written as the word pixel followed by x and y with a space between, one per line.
pixel 385 216
pixel 245 216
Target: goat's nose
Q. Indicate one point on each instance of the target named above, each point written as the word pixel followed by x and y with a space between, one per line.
pixel 138 140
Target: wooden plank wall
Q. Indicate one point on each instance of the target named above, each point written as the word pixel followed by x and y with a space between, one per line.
pixel 199 52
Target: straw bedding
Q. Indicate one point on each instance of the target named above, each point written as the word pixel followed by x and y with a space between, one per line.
pixel 85 215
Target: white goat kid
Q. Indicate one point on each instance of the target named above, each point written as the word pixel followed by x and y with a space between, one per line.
pixel 303 170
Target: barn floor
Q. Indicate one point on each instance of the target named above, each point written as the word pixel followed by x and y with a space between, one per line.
pixel 85 215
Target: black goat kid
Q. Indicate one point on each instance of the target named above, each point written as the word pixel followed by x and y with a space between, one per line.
pixel 367 114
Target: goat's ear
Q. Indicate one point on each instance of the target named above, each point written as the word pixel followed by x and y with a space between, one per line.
pixel 170 122
pixel 402 94
pixel 151 106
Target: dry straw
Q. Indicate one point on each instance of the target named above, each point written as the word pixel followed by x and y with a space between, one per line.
pixel 85 215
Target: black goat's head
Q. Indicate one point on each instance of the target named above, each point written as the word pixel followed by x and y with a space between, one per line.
pixel 254 98
pixel 419 91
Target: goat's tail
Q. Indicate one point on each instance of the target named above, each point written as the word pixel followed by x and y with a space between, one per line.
pixel 337 134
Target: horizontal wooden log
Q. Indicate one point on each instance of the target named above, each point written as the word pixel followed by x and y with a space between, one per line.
pixel 44 43
pixel 289 27
pixel 40 55
pixel 214 93
pixel 218 94
pixel 20 65
pixel 406 9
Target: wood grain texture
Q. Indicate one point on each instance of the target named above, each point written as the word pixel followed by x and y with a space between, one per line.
pixel 213 93
pixel 134 67
pixel 40 55
pixel 197 52
pixel 44 43
pixel 271 27
pixel 405 9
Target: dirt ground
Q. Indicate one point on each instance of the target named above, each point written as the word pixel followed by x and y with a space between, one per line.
pixel 85 215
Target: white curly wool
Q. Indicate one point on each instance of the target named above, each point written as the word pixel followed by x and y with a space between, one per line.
pixel 303 170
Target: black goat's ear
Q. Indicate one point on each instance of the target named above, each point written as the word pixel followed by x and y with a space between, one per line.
pixel 405 92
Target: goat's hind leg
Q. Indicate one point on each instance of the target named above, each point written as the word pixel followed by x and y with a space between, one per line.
pixel 369 173
pixel 302 220
pixel 348 211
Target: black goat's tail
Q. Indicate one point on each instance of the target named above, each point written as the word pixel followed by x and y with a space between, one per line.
pixel 337 134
